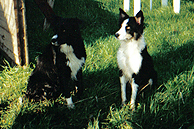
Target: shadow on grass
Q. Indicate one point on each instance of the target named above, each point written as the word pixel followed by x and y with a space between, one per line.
pixel 101 91
pixel 173 62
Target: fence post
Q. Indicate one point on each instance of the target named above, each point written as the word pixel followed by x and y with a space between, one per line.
pixel 126 5
pixel 150 4
pixel 164 2
pixel 137 6
pixel 176 5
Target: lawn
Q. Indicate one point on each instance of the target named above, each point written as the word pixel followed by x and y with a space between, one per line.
pixel 170 40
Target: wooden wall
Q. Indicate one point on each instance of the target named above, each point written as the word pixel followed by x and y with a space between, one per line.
pixel 13 40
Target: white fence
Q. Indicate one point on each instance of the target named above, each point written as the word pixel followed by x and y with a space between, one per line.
pixel 137 5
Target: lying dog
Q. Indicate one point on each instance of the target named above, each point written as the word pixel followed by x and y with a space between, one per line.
pixel 135 64
pixel 59 67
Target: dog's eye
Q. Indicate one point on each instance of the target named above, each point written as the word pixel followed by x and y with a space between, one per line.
pixel 127 28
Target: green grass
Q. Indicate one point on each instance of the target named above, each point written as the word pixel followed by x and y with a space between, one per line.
pixel 170 42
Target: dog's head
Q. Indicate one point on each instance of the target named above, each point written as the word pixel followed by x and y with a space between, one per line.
pixel 130 27
pixel 67 31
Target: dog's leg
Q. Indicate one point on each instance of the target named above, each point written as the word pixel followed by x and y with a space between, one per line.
pixel 79 84
pixel 123 82
pixel 134 87
pixel 66 92
pixel 64 74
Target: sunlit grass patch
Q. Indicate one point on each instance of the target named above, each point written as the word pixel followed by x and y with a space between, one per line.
pixel 13 85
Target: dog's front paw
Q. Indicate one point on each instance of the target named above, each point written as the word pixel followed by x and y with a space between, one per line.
pixel 70 104
pixel 132 106
pixel 124 103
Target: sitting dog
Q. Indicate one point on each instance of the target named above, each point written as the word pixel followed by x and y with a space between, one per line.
pixel 135 64
pixel 59 67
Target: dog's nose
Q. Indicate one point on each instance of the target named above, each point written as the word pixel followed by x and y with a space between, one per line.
pixel 116 35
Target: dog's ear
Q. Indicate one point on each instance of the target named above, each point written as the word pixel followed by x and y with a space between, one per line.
pixel 139 17
pixel 122 14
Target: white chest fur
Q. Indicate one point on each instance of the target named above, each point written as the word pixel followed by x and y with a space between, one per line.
pixel 129 56
pixel 74 63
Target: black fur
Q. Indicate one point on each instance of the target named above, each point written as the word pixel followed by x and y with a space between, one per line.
pixel 146 71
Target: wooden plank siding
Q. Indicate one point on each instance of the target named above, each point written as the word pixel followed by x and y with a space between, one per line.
pixel 13 40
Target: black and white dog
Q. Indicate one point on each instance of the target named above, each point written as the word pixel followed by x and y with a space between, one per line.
pixel 135 64
pixel 59 67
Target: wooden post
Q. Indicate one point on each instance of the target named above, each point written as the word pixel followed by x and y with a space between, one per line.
pixel 176 5
pixel 21 32
pixel 126 5
pixel 164 3
pixel 46 10
pixel 46 24
pixel 137 6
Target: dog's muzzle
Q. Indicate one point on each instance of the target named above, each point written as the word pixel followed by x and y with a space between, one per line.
pixel 117 35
